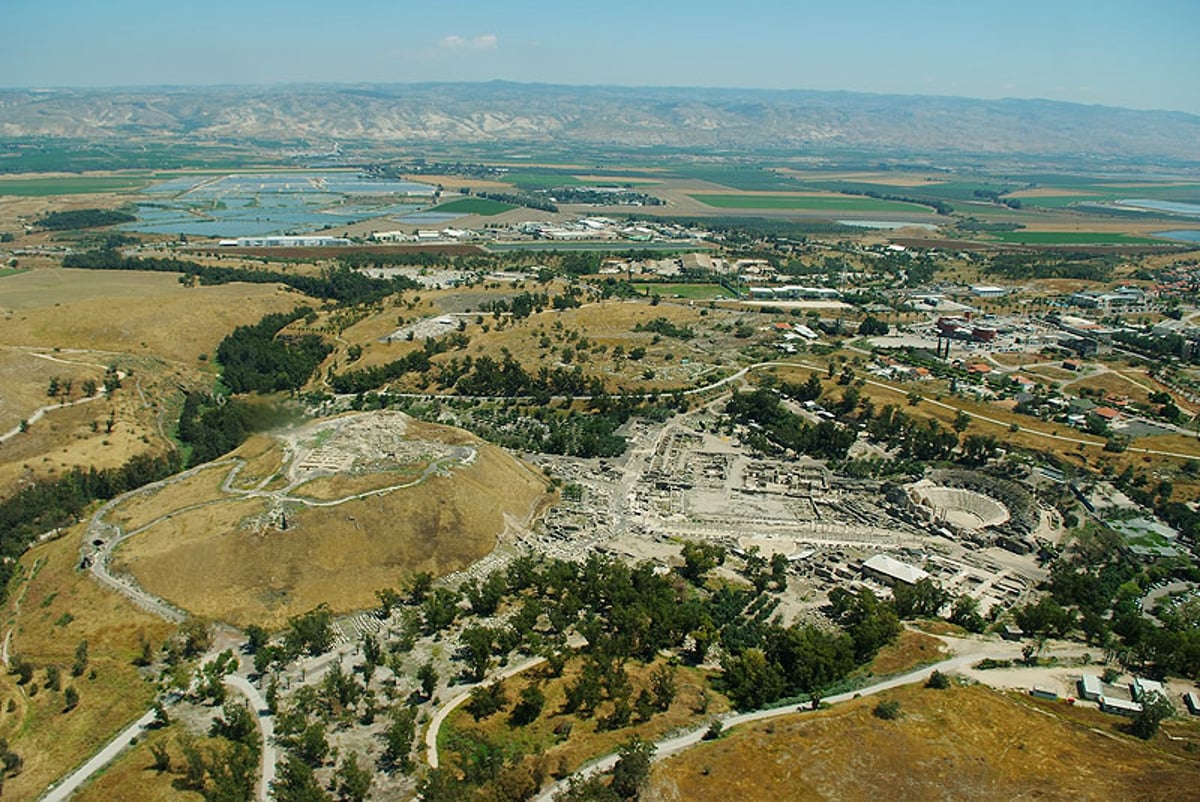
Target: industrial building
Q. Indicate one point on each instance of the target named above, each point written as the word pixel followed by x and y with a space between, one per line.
pixel 283 242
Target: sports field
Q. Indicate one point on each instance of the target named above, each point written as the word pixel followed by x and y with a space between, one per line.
pixel 814 203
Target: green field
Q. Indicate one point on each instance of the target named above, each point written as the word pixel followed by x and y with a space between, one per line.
pixel 747 179
pixel 481 206
pixel 807 203
pixel 12 271
pixel 68 185
pixel 1073 238
pixel 692 292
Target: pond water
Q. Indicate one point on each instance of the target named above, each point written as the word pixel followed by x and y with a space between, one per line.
pixel 1174 207
pixel 259 204
pixel 1186 234
pixel 885 224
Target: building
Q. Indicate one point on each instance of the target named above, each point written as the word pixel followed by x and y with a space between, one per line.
pixel 1192 702
pixel 889 571
pixel 1120 298
pixel 1122 707
pixel 1141 688
pixel 283 242
pixel 988 291
pixel 1089 687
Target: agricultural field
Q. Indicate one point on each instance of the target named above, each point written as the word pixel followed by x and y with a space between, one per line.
pixel 1073 238
pixel 484 207
pixel 960 743
pixel 47 186
pixel 813 203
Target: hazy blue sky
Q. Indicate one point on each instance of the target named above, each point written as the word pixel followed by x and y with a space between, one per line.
pixel 1135 53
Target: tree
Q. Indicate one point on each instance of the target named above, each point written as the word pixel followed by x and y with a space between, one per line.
pixel 161 755
pixel 1155 708
pixel 297 783
pixel 256 638
pixel 965 614
pixel 428 677
pixel 938 681
pixel 888 710
pixel 71 699
pixel 529 708
pixel 478 643
pixel 662 683
pixel 700 558
pixel 352 782
pixel 632 771
pixel 81 659
pixel 398 738
pixel 961 421
pixel 921 600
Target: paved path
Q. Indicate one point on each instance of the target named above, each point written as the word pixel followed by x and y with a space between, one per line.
pixel 64 790
pixel 671 746
pixel 266 726
pixel 435 724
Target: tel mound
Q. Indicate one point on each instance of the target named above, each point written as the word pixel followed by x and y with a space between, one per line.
pixel 327 513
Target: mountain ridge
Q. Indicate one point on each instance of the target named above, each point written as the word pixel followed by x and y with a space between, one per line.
pixel 784 120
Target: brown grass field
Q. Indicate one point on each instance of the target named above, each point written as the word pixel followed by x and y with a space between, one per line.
pixel 909 650
pixel 216 562
pixel 586 740
pixel 130 312
pixel 142 508
pixel 59 608
pixel 132 777
pixel 963 743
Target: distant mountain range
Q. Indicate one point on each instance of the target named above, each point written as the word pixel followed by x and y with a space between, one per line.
pixel 792 122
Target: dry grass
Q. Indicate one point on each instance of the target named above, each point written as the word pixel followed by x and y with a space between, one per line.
pixel 909 650
pixel 963 743
pixel 50 741
pixel 130 312
pixel 586 740
pixel 264 458
pixel 215 562
pixel 142 508
pixel 132 777
pixel 330 488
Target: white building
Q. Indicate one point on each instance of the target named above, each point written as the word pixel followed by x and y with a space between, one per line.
pixel 890 571
pixel 283 242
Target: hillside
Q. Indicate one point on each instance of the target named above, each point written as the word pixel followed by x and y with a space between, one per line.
pixel 699 119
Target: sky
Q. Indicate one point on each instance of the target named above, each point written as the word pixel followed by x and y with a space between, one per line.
pixel 1139 54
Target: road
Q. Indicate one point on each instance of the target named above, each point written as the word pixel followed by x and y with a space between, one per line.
pixel 435 724
pixel 266 726
pixel 63 790
pixel 975 650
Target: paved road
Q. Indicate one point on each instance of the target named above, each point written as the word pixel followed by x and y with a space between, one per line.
pixel 64 790
pixel 678 743
pixel 435 724
pixel 266 726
